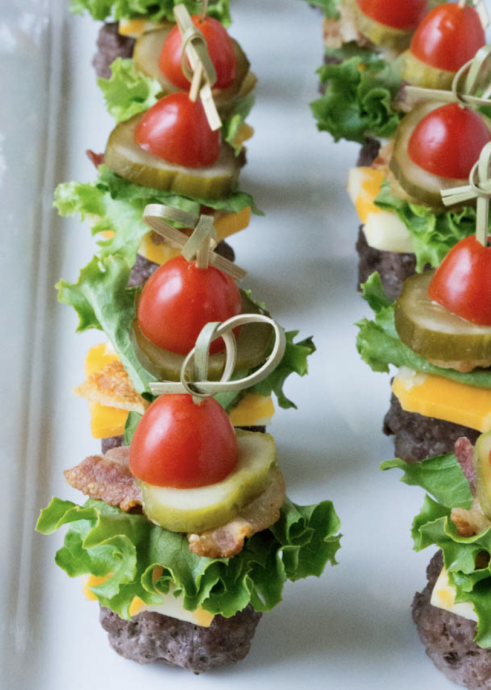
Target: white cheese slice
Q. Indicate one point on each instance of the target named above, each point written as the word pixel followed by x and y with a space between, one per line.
pixel 443 597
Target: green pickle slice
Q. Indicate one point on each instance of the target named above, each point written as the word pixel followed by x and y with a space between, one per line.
pixel 418 73
pixel 208 507
pixel 482 469
pixel 420 186
pixel 130 161
pixel 146 58
pixel 436 334
pixel 253 346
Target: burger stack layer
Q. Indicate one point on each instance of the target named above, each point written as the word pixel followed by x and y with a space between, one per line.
pixel 410 83
pixel 185 534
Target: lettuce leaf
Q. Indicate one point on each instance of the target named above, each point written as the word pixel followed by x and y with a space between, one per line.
pixel 153 10
pixel 114 204
pixel 294 362
pixel 128 92
pixel 444 479
pixel 359 96
pixel 231 126
pixel 379 344
pixel 102 539
pixel 329 7
pixel 441 477
pixel 103 301
pixel 433 233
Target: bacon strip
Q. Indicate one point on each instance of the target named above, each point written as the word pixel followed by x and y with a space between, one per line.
pixel 464 451
pixel 261 513
pixel 107 478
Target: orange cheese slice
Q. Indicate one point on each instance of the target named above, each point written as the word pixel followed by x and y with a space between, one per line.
pixel 450 401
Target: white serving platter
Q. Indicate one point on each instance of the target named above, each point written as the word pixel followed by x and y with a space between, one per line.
pixel 350 630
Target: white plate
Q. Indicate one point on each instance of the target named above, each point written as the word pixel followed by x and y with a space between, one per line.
pixel 351 629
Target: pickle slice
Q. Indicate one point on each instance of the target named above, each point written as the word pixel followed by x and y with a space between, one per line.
pixel 253 346
pixel 380 34
pixel 420 186
pixel 435 333
pixel 418 73
pixel 130 161
pixel 208 507
pixel 146 58
pixel 482 469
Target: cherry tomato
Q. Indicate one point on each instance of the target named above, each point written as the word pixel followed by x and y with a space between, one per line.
pixel 448 37
pixel 448 141
pixel 220 48
pixel 176 129
pixel 462 282
pixel 180 298
pixel 182 444
pixel 399 14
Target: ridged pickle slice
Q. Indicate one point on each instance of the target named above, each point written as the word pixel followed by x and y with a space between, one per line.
pixel 422 187
pixel 253 346
pixel 146 58
pixel 417 73
pixel 435 333
pixel 130 161
pixel 208 507
pixel 482 469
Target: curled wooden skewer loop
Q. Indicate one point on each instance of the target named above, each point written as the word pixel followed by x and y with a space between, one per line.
pixel 200 353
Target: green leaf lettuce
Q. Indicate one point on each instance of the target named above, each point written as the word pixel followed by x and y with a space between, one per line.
pixel 433 233
pixel 116 205
pixel 103 540
pixel 463 557
pixel 153 10
pixel 359 97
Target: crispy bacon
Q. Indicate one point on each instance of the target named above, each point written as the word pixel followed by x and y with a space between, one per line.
pixel 260 514
pixel 107 478
pixel 96 159
pixel 464 451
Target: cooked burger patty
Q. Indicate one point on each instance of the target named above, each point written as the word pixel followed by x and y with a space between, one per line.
pixel 448 638
pixel 393 267
pixel 151 637
pixel 368 152
pixel 111 45
pixel 143 268
pixel 418 437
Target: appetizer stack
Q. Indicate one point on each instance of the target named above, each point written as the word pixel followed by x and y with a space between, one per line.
pixel 187 534
pixel 411 83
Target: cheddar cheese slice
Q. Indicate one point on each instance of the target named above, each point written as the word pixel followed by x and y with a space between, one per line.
pixel 450 401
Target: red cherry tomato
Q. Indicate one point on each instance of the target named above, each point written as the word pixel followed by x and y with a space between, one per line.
pixel 176 129
pixel 220 48
pixel 448 141
pixel 399 14
pixel 180 298
pixel 462 282
pixel 448 37
pixel 183 444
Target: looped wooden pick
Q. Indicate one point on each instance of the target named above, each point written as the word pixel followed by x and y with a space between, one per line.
pixel 202 73
pixel 204 9
pixel 464 85
pixel 479 188
pixel 200 387
pixel 200 246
